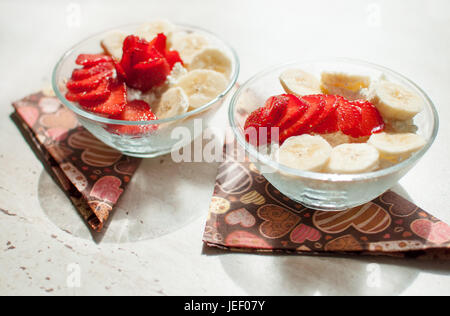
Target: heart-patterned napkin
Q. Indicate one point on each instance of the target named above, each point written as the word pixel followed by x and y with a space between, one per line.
pixel 248 214
pixel 92 174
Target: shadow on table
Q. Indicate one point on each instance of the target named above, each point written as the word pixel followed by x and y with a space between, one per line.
pixel 278 274
pixel 325 275
pixel 162 197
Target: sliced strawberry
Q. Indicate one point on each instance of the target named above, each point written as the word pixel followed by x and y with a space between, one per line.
pixel 317 103
pixel 349 118
pixel 327 126
pixel 268 116
pixel 312 108
pixel 274 109
pixel 98 94
pixel 90 83
pixel 79 74
pixel 121 75
pixel 327 121
pixel 294 110
pixel 132 42
pixel 173 57
pixel 371 119
pixel 136 110
pixel 114 104
pixel 89 60
pixel 159 43
pixel 149 74
pixel 256 119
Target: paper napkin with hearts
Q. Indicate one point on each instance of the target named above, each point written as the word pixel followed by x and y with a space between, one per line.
pixel 92 174
pixel 248 214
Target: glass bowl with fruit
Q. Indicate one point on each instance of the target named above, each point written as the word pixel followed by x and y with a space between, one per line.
pixel 333 134
pixel 133 86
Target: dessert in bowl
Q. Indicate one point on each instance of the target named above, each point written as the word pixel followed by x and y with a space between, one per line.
pixel 333 134
pixel 133 86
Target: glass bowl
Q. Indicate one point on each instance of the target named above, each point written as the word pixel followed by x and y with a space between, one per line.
pixel 323 191
pixel 152 141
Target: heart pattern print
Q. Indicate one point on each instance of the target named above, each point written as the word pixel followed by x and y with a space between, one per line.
pixel 92 174
pixel 249 214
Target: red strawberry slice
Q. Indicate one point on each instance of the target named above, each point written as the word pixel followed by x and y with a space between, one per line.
pixel 88 84
pixel 371 120
pixel 294 110
pixel 327 126
pixel 134 42
pixel 121 75
pixel 79 74
pixel 313 107
pixel 136 110
pixel 318 103
pixel 159 43
pixel 173 57
pixel 349 118
pixel 268 116
pixel 327 121
pixel 89 60
pixel 98 94
pixel 149 74
pixel 286 116
pixel 275 108
pixel 113 105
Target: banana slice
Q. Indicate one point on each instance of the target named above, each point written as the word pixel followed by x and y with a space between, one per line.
pixel 353 158
pixel 149 30
pixel 201 86
pixel 349 86
pixel 395 101
pixel 304 152
pixel 396 147
pixel 299 82
pixel 188 44
pixel 112 44
pixel 211 58
pixel 173 102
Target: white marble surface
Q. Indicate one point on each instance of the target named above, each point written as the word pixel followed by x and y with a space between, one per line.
pixel 157 248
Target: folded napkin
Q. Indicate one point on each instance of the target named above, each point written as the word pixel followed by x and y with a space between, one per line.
pixel 248 214
pixel 92 174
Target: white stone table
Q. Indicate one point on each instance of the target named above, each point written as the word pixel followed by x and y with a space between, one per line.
pixel 157 248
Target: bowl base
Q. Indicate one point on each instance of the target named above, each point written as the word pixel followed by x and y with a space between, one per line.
pixel 146 154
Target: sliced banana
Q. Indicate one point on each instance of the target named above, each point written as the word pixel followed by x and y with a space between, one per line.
pixel 149 30
pixel 349 86
pixel 201 86
pixel 112 44
pixel 299 82
pixel 188 44
pixel 211 58
pixel 173 102
pixel 394 101
pixel 353 158
pixel 396 147
pixel 304 152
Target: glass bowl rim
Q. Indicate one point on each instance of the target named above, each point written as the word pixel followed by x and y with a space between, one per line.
pixel 331 176
pixel 102 119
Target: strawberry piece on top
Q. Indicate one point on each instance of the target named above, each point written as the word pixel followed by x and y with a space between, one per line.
pixel 136 110
pixel 89 60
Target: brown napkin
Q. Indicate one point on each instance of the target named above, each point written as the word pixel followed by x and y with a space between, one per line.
pixel 92 174
pixel 248 214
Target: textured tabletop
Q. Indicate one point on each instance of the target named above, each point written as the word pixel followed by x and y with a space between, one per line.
pixel 153 244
